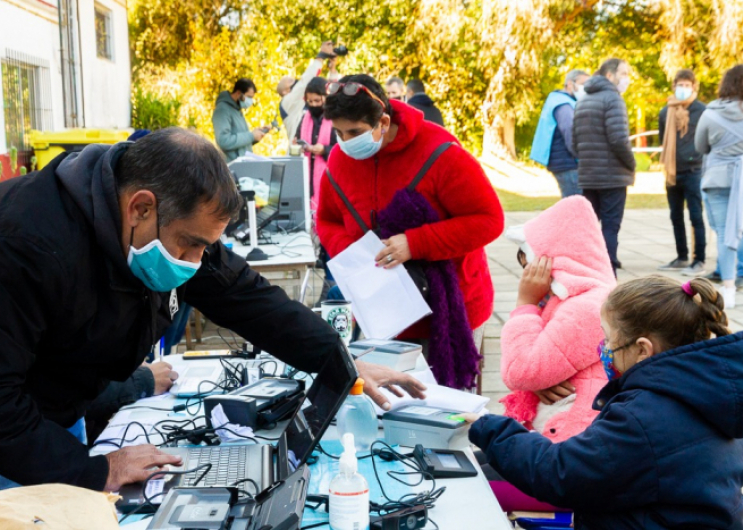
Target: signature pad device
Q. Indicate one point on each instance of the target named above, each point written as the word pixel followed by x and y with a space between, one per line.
pixel 258 405
pixel 444 463
pixel 280 507
pixel 431 427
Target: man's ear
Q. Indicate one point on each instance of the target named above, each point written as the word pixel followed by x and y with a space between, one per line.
pixel 140 207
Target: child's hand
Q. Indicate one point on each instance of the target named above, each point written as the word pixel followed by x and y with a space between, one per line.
pixel 535 282
pixel 551 395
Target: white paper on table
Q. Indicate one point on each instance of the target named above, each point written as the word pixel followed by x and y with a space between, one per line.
pixel 219 419
pixel 135 435
pixel 384 301
pixel 436 396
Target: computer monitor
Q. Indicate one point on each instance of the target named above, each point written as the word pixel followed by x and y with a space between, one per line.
pixel 272 208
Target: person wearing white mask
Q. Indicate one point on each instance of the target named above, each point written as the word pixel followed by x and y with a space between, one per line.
pixel 606 165
pixel 553 140
pixel 682 164
pixel 230 127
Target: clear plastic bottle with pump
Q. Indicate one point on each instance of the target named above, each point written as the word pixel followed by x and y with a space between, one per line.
pixel 349 492
pixel 357 416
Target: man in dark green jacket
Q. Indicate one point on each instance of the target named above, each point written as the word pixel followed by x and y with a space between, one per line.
pixel 230 128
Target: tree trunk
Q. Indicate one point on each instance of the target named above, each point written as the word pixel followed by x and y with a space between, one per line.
pixel 499 138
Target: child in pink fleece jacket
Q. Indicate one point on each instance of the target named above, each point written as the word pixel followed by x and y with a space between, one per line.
pixel 548 346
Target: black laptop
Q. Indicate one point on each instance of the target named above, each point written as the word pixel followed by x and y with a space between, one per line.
pixel 264 464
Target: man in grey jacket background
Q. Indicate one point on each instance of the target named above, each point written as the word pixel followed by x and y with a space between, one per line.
pixel 601 142
pixel 230 127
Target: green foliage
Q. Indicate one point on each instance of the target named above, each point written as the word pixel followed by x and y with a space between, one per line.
pixel 488 64
pixel 151 111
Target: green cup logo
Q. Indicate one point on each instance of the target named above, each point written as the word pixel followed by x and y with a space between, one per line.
pixel 340 319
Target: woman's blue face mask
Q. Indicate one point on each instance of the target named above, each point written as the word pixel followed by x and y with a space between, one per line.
pixel 362 146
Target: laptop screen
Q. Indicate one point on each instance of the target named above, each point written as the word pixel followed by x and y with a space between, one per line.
pixel 326 395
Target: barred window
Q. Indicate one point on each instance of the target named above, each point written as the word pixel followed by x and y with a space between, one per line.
pixel 26 97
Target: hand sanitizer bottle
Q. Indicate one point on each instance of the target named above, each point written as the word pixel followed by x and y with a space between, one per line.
pixel 349 492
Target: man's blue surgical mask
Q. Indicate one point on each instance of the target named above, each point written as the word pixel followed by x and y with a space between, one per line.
pixel 363 146
pixel 683 93
pixel 246 103
pixel 157 269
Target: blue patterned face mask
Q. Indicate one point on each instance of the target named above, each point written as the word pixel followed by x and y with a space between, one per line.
pixel 607 359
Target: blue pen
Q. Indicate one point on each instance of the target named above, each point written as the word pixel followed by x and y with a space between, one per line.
pixel 162 347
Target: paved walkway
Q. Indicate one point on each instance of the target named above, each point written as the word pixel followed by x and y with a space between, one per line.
pixel 645 242
pixel 535 181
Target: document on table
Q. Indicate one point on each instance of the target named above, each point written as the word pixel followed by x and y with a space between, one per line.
pixel 384 301
pixel 136 425
pixel 438 396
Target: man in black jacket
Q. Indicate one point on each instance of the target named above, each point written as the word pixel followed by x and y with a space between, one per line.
pixel 418 98
pixel 97 249
pixel 684 178
pixel 606 165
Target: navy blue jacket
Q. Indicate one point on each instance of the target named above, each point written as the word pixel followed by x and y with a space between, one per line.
pixel 664 452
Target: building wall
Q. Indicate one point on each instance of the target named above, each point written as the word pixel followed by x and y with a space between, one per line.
pixel 106 83
pixel 32 27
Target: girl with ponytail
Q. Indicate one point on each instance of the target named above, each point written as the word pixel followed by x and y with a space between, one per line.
pixel 665 450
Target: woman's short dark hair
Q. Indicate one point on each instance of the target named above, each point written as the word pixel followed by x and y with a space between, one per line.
pixel 610 66
pixel 361 107
pixel 183 170
pixel 731 86
pixel 316 86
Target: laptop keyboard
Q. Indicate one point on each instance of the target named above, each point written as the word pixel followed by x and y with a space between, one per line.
pixel 228 465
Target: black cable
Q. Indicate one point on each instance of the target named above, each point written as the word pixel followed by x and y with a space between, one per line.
pixel 236 346
pixel 123 439
pixel 250 481
pixel 315 525
pixel 275 368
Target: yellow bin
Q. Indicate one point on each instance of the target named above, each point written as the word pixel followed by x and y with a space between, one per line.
pixel 47 145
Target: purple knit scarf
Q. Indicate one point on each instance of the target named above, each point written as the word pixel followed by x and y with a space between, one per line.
pixel 452 355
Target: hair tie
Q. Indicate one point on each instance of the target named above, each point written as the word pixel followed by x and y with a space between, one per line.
pixel 687 289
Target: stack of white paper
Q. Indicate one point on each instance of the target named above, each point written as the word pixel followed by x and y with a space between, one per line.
pixel 437 396
pixel 384 301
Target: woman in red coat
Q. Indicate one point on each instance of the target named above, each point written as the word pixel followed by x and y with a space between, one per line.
pixel 382 145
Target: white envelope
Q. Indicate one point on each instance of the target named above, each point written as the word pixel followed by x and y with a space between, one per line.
pixel 384 301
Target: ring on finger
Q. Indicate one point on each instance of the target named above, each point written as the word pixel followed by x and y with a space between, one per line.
pixel 389 258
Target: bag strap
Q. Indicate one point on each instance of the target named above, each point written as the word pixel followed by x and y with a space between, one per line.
pixel 413 183
pixel 431 159
pixel 348 204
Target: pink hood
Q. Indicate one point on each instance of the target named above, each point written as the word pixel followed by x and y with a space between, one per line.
pixel 542 347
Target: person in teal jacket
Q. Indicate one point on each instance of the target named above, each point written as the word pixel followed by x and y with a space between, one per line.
pixel 553 138
pixel 230 128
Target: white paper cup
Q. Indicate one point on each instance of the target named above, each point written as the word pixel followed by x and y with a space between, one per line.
pixel 338 314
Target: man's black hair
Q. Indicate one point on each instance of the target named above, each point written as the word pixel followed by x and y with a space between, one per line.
pixel 183 170
pixel 316 86
pixel 243 85
pixel 361 107
pixel 416 86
